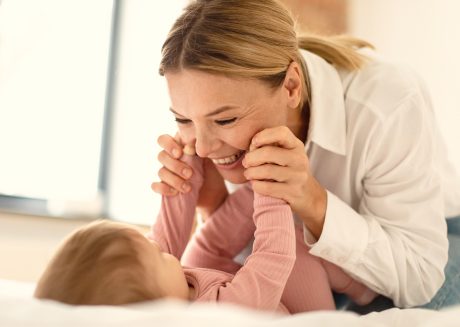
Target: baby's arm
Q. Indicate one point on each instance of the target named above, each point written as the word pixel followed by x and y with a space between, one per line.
pixel 174 223
pixel 224 234
pixel 260 282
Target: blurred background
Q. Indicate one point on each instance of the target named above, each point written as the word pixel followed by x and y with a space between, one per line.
pixel 81 103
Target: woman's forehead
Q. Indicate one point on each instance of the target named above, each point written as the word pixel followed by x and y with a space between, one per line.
pixel 198 80
pixel 196 92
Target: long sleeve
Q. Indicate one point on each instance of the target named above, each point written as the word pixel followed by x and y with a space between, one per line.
pixel 224 234
pixel 174 222
pixel 373 144
pixel 260 282
pixel 394 240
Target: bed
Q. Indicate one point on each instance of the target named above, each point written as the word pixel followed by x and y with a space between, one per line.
pixel 18 308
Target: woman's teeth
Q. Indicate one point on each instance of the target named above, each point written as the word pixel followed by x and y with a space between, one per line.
pixel 228 160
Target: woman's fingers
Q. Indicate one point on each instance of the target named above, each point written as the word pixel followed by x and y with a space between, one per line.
pixel 176 166
pixel 170 145
pixel 174 181
pixel 268 154
pixel 163 189
pixel 281 136
pixel 268 172
pixel 174 172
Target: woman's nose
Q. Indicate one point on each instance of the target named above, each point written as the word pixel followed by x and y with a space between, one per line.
pixel 205 144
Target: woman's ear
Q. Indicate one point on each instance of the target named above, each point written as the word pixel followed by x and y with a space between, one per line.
pixel 293 85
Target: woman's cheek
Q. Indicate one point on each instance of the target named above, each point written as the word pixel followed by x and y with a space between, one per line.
pixel 241 137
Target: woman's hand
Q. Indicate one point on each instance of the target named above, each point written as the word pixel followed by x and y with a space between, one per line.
pixel 278 166
pixel 174 175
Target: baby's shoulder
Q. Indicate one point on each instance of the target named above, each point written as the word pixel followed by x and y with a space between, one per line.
pixel 206 282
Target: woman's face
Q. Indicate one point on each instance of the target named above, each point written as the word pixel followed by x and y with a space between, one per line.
pixel 219 115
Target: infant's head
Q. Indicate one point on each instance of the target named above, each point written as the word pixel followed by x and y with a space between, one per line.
pixel 111 263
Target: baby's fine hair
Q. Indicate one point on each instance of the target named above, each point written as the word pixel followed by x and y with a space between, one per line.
pixel 98 264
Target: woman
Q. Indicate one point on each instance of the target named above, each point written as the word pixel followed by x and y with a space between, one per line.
pixel 348 140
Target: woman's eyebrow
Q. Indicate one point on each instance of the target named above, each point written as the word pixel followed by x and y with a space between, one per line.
pixel 220 110
pixel 212 113
pixel 174 112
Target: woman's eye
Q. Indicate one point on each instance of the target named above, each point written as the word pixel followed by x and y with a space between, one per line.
pixel 182 121
pixel 225 121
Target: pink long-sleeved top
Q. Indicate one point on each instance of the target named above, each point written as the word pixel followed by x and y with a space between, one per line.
pixel 308 288
pixel 260 282
pixel 280 274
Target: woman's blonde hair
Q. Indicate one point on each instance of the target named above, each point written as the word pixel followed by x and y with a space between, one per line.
pixel 98 264
pixel 249 39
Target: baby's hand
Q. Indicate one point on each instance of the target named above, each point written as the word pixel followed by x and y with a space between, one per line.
pixel 189 150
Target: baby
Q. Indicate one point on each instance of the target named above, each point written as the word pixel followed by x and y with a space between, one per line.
pixel 230 228
pixel 111 263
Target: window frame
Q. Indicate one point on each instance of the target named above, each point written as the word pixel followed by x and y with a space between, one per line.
pixel 39 206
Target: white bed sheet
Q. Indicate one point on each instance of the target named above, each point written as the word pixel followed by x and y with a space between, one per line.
pixel 18 308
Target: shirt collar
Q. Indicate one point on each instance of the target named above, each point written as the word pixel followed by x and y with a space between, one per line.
pixel 327 113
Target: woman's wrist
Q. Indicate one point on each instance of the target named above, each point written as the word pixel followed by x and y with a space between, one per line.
pixel 314 216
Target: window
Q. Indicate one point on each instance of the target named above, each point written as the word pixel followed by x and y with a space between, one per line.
pixel 53 63
pixel 67 69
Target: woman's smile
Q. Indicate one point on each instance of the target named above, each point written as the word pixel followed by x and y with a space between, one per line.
pixel 201 101
pixel 229 162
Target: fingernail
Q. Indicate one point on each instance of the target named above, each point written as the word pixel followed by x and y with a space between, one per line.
pixel 175 153
pixel 185 187
pixel 186 172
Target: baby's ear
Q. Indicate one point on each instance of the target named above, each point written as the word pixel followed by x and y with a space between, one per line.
pixel 189 150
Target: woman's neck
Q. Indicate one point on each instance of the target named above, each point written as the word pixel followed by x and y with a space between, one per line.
pixel 300 122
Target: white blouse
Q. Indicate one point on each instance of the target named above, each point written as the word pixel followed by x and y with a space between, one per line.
pixel 374 145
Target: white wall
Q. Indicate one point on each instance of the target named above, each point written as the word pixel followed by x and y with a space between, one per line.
pixel 27 243
pixel 426 35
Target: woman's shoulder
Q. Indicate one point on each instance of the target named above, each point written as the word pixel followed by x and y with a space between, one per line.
pixel 382 86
